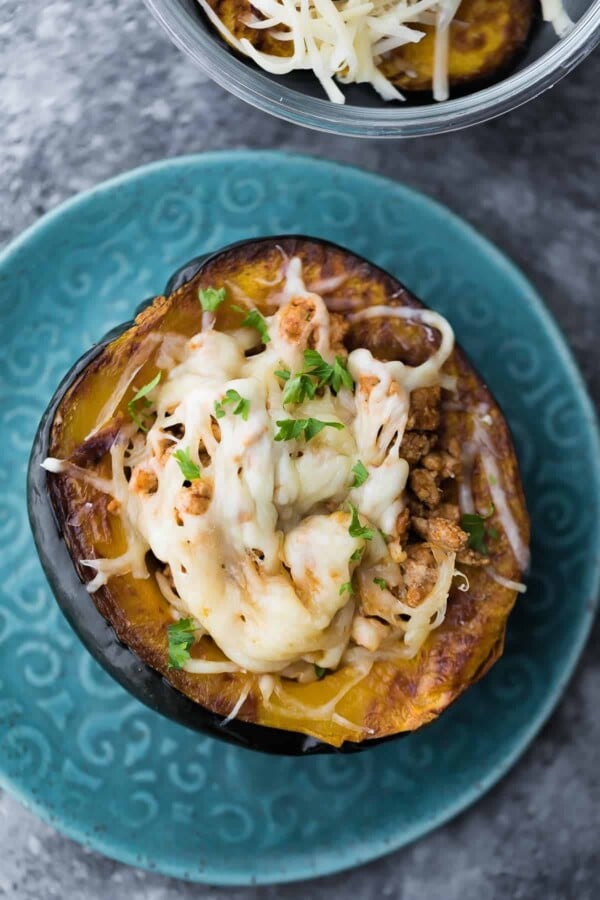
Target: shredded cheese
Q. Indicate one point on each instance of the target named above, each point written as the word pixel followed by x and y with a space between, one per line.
pixel 554 12
pixel 506 582
pixel 237 707
pixel 344 40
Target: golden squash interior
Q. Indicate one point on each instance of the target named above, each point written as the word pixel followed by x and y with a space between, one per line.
pixel 396 696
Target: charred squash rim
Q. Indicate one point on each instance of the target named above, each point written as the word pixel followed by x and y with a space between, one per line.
pixel 99 636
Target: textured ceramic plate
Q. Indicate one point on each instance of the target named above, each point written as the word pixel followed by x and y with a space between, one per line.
pixel 114 775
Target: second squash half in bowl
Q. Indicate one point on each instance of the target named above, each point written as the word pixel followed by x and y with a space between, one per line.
pixel 290 493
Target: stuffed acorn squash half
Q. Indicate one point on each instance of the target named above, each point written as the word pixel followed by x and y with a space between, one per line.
pixel 289 510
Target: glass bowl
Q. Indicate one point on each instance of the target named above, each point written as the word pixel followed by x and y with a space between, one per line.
pixel 298 97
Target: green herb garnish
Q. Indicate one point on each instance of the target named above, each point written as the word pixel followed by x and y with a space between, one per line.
pixel 357 554
pixel 284 374
pixel 334 376
pixel 181 636
pixel 357 530
pixel 189 469
pixel 320 672
pixel 292 429
pixel 360 474
pixel 381 583
pixel 242 407
pixel 341 376
pixel 210 299
pixel 141 395
pixel 253 319
pixel 346 588
pixel 298 389
pixel 474 525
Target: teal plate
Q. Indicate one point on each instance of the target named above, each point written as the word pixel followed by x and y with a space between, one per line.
pixel 106 770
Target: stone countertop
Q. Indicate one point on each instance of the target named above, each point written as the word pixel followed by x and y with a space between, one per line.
pixel 88 90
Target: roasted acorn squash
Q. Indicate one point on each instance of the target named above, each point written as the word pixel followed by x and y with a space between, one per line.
pixel 124 622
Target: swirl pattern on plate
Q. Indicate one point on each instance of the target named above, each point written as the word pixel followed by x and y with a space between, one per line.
pixel 113 774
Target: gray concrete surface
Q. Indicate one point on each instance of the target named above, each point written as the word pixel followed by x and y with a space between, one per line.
pixel 91 89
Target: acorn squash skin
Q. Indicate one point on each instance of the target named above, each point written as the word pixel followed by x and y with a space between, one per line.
pixel 104 620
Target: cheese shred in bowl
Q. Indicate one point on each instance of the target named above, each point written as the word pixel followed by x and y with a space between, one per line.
pixel 346 41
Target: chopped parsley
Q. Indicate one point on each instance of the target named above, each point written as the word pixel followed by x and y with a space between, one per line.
pixel 210 298
pixel 317 373
pixel 181 636
pixel 346 588
pixel 253 319
pixel 189 469
pixel 357 554
pixel 141 395
pixel 381 583
pixel 292 429
pixel 242 407
pixel 474 525
pixel 360 474
pixel 320 672
pixel 335 376
pixel 341 377
pixel 298 389
pixel 357 530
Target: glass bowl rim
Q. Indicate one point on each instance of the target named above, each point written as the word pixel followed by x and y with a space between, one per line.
pixel 257 89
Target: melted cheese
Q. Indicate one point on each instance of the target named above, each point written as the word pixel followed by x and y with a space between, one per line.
pixel 344 40
pixel 264 559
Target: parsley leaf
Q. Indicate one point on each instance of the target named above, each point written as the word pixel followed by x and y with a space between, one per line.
pixel 474 525
pixel 210 299
pixel 181 637
pixel 336 375
pixel 314 364
pixel 357 554
pixel 291 429
pixel 141 395
pixel 284 374
pixel 253 319
pixel 189 469
pixel 346 587
pixel 356 529
pixel 314 426
pixel 341 377
pixel 242 407
pixel 381 583
pixel 320 672
pixel 298 389
pixel 360 474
